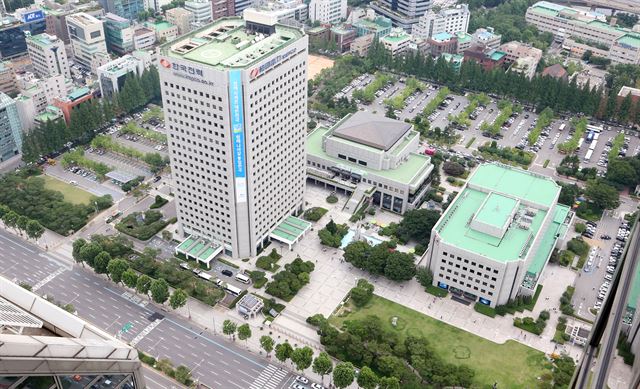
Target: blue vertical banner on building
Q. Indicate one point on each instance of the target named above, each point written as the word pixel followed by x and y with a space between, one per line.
pixel 237 133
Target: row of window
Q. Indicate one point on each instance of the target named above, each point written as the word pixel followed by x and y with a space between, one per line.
pixel 468 285
pixel 464 260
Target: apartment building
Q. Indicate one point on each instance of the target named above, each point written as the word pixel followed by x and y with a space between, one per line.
pixel 181 18
pixel 118 33
pixel 327 11
pixel 234 97
pixel 201 10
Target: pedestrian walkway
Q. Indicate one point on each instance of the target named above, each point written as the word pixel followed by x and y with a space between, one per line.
pixel 270 378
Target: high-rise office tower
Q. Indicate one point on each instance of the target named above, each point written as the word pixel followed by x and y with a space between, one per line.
pixel 128 9
pixel 87 37
pixel 235 102
pixel 10 128
pixel 403 13
pixel 48 55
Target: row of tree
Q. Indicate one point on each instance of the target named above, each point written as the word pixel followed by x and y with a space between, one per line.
pixel 31 228
pixel 381 259
pixel 88 117
pixel 101 260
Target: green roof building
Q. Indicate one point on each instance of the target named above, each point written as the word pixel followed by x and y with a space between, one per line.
pixel 495 238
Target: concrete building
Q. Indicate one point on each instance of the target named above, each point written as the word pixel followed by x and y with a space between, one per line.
pixel 626 90
pixel 49 87
pixel 327 11
pixel 45 346
pixel 234 97
pixel 526 66
pixel 118 33
pixel 595 77
pixel 143 38
pixel 10 130
pixel 494 240
pixel 113 75
pixel 455 60
pixel 403 13
pixel 48 55
pixel 51 113
pixel 464 40
pixel 556 71
pixel 156 5
pixel 442 43
pixel 580 31
pixel 371 23
pixel 486 37
pixel 489 59
pixel 343 35
pixel 294 13
pixel 360 45
pixel 222 8
pixel 373 159
pixel 181 18
pixel 396 42
pixel 240 5
pixel 38 94
pixel 515 50
pixel 7 78
pixel 128 9
pixel 73 99
pixel 201 10
pixel 164 31
pixel 56 14
pixel 450 20
pixel 87 37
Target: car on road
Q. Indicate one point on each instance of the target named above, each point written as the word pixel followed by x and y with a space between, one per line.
pixel 317 386
pixel 227 272
pixel 605 237
pixel 608 277
pixel 610 269
pixel 302 379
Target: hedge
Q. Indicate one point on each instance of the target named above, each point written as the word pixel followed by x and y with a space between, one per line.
pixel 485 310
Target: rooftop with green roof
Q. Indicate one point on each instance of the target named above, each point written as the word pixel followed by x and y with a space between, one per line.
pixel 499 213
pixel 159 26
pixel 226 43
pixel 43 39
pixel 630 40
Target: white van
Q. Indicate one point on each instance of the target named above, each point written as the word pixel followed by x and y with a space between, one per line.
pixel 242 278
pixel 204 275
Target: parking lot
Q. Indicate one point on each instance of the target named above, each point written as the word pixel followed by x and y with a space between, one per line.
pixel 87 182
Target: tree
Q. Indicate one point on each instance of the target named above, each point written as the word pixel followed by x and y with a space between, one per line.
pixel 77 245
pixel 453 168
pixel 343 374
pixel 266 342
pixel 367 379
pixel 362 293
pixel 101 261
pixel 424 276
pixel 89 251
pixel 178 298
pixel 183 375
pixel 34 230
pixel 143 284
pixel 21 223
pixel 130 278
pixel 116 267
pixel 159 291
pixel 283 351
pixel 399 266
pixel 389 383
pixel 302 358
pixel 103 202
pixel 229 328
pixel 10 219
pixel 622 172
pixel 244 332
pixel 417 225
pixel 322 365
pixel 602 195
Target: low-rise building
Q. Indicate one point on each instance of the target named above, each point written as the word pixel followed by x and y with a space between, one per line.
pixel 118 33
pixel 112 75
pixel 181 18
pixel 343 35
pixel 464 41
pixel 626 50
pixel 396 42
pixel 164 31
pixel 486 37
pixel 515 50
pixel 455 60
pixel 73 99
pixel 143 38
pixel 48 55
pixel 556 71
pixel 50 114
pixel 202 9
pixel 443 43
pixel 595 77
pixel 525 66
pixel 371 23
pixel 99 59
pixel 403 13
pixel 7 78
pixel 451 20
pixel 221 9
pixel 294 12
pixel 360 45
pixel 627 90
pixel 10 136
pixel 318 36
pixel 373 158
pixel 494 240
pixel 489 59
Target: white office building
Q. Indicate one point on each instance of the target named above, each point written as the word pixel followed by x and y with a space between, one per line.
pixel 286 12
pixel 451 20
pixel 327 11
pixel 113 75
pixel 494 240
pixel 87 38
pixel 45 346
pixel 201 10
pixel 234 96
pixel 48 55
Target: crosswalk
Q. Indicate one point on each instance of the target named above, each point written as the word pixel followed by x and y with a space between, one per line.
pixel 270 378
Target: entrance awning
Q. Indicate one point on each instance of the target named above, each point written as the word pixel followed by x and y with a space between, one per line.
pixel 290 230
pixel 199 249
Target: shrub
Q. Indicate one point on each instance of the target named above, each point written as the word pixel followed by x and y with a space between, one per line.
pixel 332 199
pixel 485 310
pixel 288 282
pixel 331 235
pixel 142 226
pixel 362 293
pixel 314 214
pixel 419 249
pixel 159 202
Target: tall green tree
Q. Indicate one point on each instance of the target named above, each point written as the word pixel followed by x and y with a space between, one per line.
pixel 367 379
pixel 343 374
pixel 130 278
pixel 302 358
pixel 244 332
pixel 34 230
pixel 116 267
pixel 267 343
pixel 159 291
pixel 283 351
pixel 178 298
pixel 101 262
pixel 322 365
pixel 143 284
pixel 229 328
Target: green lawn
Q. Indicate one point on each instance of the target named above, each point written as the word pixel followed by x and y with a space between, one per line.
pixel 71 193
pixel 511 365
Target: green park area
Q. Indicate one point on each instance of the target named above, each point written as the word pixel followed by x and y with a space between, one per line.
pixel 510 365
pixel 71 193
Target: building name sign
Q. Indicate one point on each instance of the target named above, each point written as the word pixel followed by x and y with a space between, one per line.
pixel 255 72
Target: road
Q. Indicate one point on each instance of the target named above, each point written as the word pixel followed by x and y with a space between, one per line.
pixel 215 361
